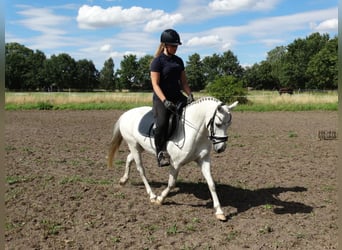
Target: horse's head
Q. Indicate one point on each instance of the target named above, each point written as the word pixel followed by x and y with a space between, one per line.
pixel 218 126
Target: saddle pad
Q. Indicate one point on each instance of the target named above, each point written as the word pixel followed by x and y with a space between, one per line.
pixel 146 124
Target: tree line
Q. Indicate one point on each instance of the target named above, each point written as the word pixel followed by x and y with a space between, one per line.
pixel 309 63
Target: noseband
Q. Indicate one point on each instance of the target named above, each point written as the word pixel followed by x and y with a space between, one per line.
pixel 211 126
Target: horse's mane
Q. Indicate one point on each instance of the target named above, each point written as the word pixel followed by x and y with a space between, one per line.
pixel 205 99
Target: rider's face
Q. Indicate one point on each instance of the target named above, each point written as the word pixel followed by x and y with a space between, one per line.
pixel 171 48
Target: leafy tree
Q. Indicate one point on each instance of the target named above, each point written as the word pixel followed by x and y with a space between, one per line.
pixel 227 89
pixel 323 69
pixel 275 58
pixel 211 67
pixel 143 73
pixel 194 72
pixel 35 76
pixel 297 58
pixel 250 77
pixel 260 76
pixel 61 71
pixel 128 73
pixel 107 77
pixel 18 65
pixel 87 76
pixel 304 63
pixel 230 65
pixel 221 65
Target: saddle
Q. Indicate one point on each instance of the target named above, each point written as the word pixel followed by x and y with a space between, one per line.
pixel 146 125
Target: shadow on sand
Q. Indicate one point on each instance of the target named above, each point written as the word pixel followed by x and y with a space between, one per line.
pixel 240 198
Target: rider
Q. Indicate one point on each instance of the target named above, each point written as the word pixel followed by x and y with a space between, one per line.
pixel 168 80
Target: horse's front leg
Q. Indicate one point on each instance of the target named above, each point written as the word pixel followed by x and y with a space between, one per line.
pixel 171 183
pixel 205 167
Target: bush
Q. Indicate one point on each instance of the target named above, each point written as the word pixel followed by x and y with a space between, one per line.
pixel 44 106
pixel 227 89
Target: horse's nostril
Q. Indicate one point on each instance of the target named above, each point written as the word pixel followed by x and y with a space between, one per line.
pixel 220 149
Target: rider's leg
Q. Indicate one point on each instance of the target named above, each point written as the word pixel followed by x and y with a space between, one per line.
pixel 161 116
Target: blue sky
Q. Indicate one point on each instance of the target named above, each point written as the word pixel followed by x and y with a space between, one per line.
pixel 99 29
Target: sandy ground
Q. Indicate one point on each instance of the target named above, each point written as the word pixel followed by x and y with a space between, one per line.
pixel 276 183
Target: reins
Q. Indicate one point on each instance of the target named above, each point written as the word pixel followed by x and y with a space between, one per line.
pixel 210 126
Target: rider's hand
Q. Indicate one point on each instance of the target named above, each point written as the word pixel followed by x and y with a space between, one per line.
pixel 190 99
pixel 169 105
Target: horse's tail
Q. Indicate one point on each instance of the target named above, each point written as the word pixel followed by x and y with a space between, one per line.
pixel 114 144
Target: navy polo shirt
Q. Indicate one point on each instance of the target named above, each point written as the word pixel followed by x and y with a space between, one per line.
pixel 170 69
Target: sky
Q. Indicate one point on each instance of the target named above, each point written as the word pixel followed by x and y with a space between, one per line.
pixel 99 29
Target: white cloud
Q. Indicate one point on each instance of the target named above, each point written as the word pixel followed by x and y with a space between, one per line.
pixel 238 5
pixel 204 41
pixel 43 20
pixel 264 31
pixel 163 22
pixel 95 16
pixel 327 25
pixel 227 46
pixel 121 54
pixel 280 25
pixel 49 25
pixel 105 48
pixel 90 17
pixel 56 30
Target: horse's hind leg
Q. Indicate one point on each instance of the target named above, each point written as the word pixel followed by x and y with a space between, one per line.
pixel 137 158
pixel 171 183
pixel 129 161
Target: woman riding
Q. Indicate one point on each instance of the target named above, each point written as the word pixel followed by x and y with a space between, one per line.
pixel 168 81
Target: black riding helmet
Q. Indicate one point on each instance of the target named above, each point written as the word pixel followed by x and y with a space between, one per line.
pixel 171 37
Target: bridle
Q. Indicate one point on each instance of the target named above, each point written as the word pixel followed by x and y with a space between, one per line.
pixel 211 127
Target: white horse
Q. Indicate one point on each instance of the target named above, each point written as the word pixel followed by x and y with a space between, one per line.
pixel 203 123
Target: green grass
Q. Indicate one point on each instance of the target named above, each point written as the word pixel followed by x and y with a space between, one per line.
pixel 260 101
pixel 74 106
pixel 288 107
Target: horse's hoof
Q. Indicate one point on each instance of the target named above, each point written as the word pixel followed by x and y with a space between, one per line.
pixel 155 201
pixel 122 182
pixel 221 217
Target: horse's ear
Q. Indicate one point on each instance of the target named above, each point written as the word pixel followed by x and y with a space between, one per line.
pixel 219 107
pixel 231 106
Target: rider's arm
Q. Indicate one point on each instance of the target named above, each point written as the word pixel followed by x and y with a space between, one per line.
pixel 155 78
pixel 184 82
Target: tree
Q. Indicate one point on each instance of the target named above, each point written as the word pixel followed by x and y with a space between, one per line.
pixel 211 67
pixel 297 58
pixel 260 76
pixel 322 68
pixel 35 75
pixel 60 71
pixel 143 73
pixel 107 77
pixel 87 76
pixel 227 89
pixel 230 65
pixel 275 58
pixel 217 65
pixel 18 65
pixel 194 72
pixel 128 73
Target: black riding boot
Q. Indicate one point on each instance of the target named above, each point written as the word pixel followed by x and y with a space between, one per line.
pixel 163 157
